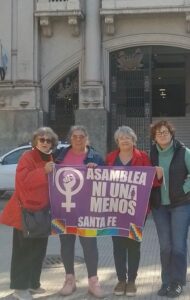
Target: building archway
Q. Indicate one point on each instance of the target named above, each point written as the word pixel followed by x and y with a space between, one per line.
pixel 63 101
pixel 147 82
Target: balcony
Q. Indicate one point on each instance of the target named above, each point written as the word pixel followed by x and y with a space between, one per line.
pixel 47 10
pixel 59 8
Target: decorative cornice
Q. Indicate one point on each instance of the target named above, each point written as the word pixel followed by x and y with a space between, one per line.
pixel 145 10
pixel 73 21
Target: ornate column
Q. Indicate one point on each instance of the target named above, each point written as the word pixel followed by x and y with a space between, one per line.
pixel 92 90
pixel 14 50
pixel 91 112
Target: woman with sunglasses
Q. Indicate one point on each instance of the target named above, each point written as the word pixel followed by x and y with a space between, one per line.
pixel 31 191
pixel 79 153
pixel 171 206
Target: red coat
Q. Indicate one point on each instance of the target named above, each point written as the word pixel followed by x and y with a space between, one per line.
pixel 31 188
pixel 139 158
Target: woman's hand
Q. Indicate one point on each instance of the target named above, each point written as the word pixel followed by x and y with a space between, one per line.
pixel 49 167
pixel 91 165
pixel 159 172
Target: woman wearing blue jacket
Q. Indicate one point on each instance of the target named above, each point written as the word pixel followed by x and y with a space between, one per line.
pixel 77 154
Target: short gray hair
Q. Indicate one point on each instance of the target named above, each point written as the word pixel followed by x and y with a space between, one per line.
pixel 45 131
pixel 125 130
pixel 77 127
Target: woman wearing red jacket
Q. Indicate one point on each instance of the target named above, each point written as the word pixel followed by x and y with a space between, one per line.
pixel 31 190
pixel 123 247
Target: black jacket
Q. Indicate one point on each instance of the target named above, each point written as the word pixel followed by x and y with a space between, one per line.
pixel 177 174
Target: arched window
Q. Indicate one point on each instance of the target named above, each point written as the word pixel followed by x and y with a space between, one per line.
pixel 63 101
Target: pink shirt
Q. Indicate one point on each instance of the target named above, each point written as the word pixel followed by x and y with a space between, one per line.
pixel 73 159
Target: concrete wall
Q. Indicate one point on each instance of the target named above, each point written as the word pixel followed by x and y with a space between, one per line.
pixel 36 62
pixel 59 54
pixel 16 128
pixel 20 92
pixel 96 122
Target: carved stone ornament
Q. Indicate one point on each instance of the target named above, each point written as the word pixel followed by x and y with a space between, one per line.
pixel 74 23
pixel 46 26
pixel 188 22
pixel 128 62
pixel 91 96
pixel 110 24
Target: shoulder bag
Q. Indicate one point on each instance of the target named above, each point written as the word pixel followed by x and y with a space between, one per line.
pixel 36 224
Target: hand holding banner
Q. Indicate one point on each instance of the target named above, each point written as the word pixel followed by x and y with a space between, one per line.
pixel 100 201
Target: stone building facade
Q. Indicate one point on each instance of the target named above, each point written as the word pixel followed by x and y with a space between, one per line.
pixel 101 63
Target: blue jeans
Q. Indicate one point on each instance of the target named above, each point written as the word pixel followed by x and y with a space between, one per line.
pixel 172 228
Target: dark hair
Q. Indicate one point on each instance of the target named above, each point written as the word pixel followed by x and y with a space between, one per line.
pixel 157 125
pixel 45 131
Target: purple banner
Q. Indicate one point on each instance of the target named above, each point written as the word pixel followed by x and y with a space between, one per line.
pixel 100 201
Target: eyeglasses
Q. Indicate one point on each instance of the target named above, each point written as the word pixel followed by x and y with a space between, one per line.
pixel 43 140
pixel 164 133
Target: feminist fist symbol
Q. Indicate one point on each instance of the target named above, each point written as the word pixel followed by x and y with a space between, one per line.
pixel 69 181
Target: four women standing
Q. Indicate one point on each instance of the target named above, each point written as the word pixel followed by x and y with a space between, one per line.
pixel 170 208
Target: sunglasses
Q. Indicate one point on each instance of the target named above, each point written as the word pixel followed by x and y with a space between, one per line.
pixel 43 140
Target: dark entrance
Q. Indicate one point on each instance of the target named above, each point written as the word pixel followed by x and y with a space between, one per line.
pixel 63 101
pixel 130 90
pixel 146 82
pixel 169 67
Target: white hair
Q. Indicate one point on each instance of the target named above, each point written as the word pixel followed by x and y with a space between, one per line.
pixel 125 130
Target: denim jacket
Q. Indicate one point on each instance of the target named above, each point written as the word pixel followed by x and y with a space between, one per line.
pixel 91 156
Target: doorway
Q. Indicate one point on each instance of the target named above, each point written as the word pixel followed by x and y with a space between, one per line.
pixel 146 82
pixel 63 101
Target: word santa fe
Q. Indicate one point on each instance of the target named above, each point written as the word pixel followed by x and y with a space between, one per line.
pixel 113 191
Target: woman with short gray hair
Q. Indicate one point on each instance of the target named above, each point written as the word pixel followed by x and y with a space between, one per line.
pixel 41 132
pixel 126 155
pixel 32 193
pixel 127 131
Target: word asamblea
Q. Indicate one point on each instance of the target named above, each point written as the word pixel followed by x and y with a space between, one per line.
pixel 132 177
pixel 97 222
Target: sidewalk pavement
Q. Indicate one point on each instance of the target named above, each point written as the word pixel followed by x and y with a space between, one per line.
pixel 148 280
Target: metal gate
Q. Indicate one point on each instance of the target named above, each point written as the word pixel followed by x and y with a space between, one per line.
pixel 63 101
pixel 130 93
